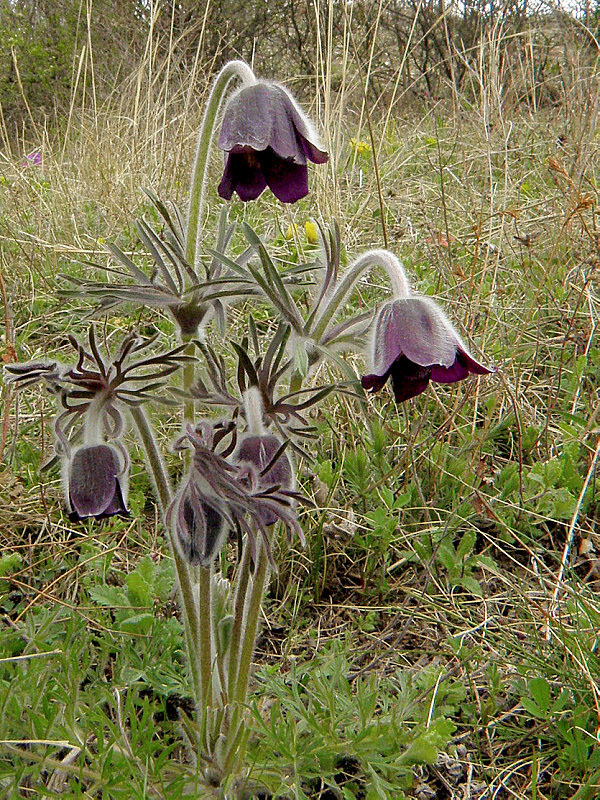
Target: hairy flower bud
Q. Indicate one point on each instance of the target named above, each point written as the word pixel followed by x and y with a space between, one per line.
pixel 265 454
pixel 96 482
pixel 200 525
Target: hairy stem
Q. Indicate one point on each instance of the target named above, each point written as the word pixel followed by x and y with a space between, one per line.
pixel 238 621
pixel 189 375
pixel 259 581
pixel 185 587
pixel 238 692
pixel 205 628
pixel 372 258
pixel 234 69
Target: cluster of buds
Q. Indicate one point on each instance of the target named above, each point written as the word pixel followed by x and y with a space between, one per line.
pixel 243 489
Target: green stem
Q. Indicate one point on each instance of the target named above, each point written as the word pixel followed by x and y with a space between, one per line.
pixel 205 640
pixel 189 375
pixel 238 621
pixel 234 69
pixel 239 691
pixel 259 581
pixel 184 583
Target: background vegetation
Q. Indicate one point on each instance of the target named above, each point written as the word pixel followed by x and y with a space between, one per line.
pixel 438 636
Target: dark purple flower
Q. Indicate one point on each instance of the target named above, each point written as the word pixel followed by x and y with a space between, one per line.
pixel 414 342
pixel 96 483
pixel 265 454
pixel 268 140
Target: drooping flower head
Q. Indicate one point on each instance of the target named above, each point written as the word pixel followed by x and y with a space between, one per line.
pixel 267 140
pixel 414 342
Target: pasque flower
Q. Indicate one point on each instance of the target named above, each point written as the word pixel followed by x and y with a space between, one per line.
pixel 415 342
pixel 93 394
pixel 268 140
pixel 219 496
pixel 96 482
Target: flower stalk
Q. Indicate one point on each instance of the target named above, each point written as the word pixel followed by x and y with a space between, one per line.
pixel 231 70
pixel 184 583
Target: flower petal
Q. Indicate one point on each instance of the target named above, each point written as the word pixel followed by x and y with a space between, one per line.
pixel 243 174
pixel 417 328
pixel 373 383
pixel 258 117
pixel 260 451
pixel 408 379
pixel 312 152
pixel 309 141
pixel 288 181
pixel 199 526
pixel 464 365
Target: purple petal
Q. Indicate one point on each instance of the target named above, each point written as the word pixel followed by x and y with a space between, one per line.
pixel 243 174
pixel 312 152
pixel 473 366
pixel 94 489
pixel 417 328
pixel 462 367
pixel 457 372
pixel 304 130
pixel 117 504
pixel 287 181
pixel 260 452
pixel 200 528
pixel 408 379
pixel 215 533
pixel 257 117
pixel 373 383
pixel 247 119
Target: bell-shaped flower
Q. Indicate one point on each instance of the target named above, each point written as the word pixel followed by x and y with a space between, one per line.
pixel 96 482
pixel 268 140
pixel 415 342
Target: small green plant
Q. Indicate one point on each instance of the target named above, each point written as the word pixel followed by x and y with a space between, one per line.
pixel 360 736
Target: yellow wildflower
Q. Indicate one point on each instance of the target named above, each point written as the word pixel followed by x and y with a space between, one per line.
pixel 361 147
pixel 312 235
